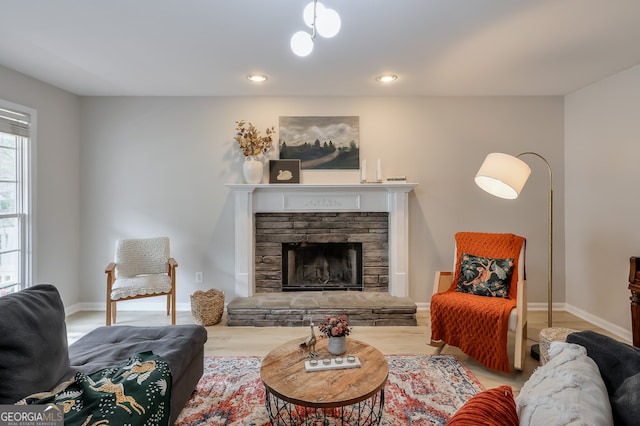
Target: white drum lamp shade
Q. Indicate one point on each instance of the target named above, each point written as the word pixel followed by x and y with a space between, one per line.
pixel 503 175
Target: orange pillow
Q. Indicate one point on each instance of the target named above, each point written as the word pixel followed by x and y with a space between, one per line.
pixel 494 407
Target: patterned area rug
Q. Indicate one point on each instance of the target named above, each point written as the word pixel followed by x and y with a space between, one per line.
pixel 421 390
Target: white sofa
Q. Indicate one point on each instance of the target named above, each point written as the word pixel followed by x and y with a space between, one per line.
pixel 591 379
pixel 568 390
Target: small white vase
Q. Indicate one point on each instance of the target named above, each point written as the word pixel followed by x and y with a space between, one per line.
pixel 337 345
pixel 252 170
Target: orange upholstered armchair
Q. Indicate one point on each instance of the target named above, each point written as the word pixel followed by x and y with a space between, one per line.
pixel 474 307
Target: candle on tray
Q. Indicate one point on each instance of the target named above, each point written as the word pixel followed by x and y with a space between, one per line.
pixel 379 172
pixel 363 171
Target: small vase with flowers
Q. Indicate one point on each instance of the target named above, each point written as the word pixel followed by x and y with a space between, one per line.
pixel 253 146
pixel 336 328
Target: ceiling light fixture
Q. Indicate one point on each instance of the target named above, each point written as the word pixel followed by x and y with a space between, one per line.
pixel 257 78
pixel 321 20
pixel 387 78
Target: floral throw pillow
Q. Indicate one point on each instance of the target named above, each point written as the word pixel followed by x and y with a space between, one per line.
pixel 484 276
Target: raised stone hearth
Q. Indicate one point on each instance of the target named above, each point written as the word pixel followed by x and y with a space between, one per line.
pixel 300 308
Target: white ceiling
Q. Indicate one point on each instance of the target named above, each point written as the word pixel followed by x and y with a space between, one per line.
pixel 207 47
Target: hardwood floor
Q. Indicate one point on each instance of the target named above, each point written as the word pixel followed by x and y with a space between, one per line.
pixel 223 340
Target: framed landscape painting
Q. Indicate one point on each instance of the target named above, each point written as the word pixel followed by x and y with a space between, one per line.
pixel 321 143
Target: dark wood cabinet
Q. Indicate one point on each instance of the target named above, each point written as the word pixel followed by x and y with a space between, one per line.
pixel 634 287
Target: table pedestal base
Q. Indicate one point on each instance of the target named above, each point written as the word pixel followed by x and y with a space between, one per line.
pixel 367 412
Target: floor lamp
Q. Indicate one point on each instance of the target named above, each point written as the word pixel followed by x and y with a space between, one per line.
pixel 504 176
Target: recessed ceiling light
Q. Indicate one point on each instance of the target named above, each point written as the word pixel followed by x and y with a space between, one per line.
pixel 387 78
pixel 257 78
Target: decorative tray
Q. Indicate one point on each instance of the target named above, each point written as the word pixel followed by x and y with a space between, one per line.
pixel 338 363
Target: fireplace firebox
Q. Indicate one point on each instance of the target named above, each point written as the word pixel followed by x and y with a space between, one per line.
pixel 321 266
pixel 361 239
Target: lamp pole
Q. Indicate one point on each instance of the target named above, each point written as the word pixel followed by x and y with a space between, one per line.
pixel 550 236
pixel 535 349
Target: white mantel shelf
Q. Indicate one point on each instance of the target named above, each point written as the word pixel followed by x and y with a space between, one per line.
pixel 278 186
pixel 369 197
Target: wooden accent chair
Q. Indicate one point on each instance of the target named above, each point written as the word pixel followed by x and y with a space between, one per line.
pixel 461 304
pixel 141 268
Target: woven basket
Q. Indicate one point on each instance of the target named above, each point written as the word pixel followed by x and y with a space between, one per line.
pixel 207 306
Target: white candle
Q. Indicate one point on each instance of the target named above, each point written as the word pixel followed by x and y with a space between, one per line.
pixel 379 172
pixel 363 171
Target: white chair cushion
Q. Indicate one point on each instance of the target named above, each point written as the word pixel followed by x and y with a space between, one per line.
pixel 141 256
pixel 138 286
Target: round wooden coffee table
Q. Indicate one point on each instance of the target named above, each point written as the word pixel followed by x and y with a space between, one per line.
pixel 351 396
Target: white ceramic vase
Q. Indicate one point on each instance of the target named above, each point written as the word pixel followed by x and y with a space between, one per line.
pixel 252 170
pixel 337 345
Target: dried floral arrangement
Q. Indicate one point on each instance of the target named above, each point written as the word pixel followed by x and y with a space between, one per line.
pixel 250 141
pixel 335 326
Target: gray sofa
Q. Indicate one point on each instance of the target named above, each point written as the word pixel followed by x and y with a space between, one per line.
pixel 35 356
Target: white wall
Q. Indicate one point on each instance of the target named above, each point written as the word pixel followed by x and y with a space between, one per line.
pixel 157 166
pixel 602 151
pixel 57 182
pixel 150 166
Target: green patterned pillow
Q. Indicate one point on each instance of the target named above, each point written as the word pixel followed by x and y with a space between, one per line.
pixel 484 276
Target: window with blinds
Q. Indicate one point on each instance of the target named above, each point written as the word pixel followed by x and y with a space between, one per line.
pixel 14 196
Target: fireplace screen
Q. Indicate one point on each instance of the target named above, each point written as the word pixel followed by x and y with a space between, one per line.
pixel 321 266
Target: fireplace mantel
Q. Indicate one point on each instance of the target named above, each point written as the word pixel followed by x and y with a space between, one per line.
pixel 262 198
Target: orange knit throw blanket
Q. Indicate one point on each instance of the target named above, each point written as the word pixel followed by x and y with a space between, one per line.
pixel 478 325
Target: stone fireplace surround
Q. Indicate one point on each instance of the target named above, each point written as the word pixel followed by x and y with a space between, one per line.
pixel 392 198
pixel 253 306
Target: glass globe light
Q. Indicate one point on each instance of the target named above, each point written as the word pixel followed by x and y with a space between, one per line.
pixel 328 22
pixel 307 14
pixel 301 43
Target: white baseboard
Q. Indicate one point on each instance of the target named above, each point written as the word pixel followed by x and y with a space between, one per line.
pixel 530 307
pixel 605 325
pixel 422 306
pixel 126 306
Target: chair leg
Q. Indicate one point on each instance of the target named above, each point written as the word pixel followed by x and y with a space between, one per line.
pixel 438 344
pixel 108 310
pixel 173 306
pixel 520 352
pixel 113 312
pixel 524 347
